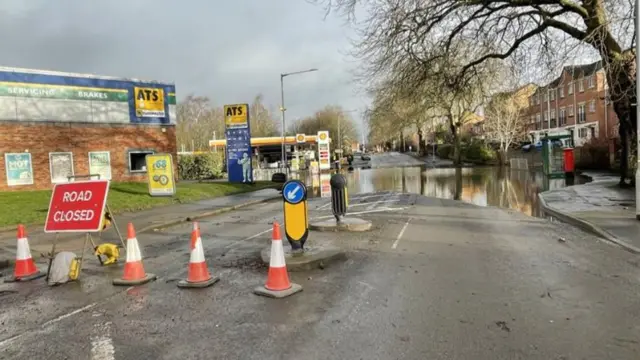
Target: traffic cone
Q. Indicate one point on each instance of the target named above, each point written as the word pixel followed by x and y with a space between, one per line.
pixel 278 284
pixel 133 270
pixel 25 268
pixel 198 273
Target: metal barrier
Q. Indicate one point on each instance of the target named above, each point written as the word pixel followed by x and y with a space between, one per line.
pixel 339 197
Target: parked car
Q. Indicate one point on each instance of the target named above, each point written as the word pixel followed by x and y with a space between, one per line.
pixel 538 145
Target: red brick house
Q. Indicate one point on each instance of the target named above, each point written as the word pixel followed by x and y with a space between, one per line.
pixel 574 104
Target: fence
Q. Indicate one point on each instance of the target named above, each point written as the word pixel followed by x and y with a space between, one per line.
pixel 519 164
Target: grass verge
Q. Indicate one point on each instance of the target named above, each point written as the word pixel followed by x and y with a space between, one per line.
pixel 30 207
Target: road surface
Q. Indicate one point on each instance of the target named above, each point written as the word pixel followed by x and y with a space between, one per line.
pixel 435 279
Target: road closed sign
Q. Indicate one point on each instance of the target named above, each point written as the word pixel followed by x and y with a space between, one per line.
pixel 77 206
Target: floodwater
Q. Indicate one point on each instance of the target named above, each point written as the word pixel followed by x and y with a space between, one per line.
pixel 483 186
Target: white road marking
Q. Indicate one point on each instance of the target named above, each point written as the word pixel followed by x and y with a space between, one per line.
pixel 62 317
pixel 404 228
pixel 11 339
pixel 376 203
pixel 101 343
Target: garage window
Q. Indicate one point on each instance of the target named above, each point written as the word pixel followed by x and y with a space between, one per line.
pixel 137 162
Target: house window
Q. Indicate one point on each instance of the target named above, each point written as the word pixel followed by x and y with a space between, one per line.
pixel 582 114
pixel 570 89
pixel 581 85
pixel 561 90
pixel 570 108
pixel 562 116
pixel 591 82
pixel 592 106
pixel 137 161
pixel 545 116
pixel 538 125
pixel 553 94
pixel 546 96
pixel 582 132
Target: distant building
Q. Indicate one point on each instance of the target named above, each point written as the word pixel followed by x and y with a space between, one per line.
pixel 574 104
pixel 54 125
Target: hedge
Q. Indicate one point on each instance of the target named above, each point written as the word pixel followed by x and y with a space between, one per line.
pixel 445 151
pixel 475 152
pixel 200 166
pixel 478 152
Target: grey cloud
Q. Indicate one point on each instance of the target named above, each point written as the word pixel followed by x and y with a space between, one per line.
pixel 227 50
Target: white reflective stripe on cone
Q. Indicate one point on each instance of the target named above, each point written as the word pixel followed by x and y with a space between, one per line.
pixel 277 254
pixel 197 254
pixel 133 250
pixel 23 252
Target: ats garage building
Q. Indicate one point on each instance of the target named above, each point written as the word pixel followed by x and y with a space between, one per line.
pixel 55 124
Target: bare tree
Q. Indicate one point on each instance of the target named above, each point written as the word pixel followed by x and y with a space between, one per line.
pixel 333 119
pixel 263 120
pixel 197 122
pixel 504 121
pixel 543 31
pixel 200 121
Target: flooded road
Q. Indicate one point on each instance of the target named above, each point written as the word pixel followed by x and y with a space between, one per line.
pixel 483 186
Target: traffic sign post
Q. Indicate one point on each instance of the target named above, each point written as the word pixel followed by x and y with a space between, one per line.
pixel 296 222
pixel 79 207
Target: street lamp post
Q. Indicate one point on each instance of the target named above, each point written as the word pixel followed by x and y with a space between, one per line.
pixel 637 30
pixel 283 109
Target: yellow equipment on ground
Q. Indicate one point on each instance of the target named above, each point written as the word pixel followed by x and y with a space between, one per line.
pixel 109 250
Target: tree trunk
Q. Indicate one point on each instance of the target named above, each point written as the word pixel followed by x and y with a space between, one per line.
pixel 457 150
pixel 624 155
pixel 421 149
pixel 502 157
pixel 620 70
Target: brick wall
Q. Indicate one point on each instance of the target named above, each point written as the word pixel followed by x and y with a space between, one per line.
pixel 605 129
pixel 40 139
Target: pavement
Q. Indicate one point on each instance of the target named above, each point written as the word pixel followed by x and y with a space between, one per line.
pixel 147 220
pixel 434 279
pixel 599 207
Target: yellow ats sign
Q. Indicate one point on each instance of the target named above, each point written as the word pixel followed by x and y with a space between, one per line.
pixel 236 116
pixel 160 175
pixel 149 102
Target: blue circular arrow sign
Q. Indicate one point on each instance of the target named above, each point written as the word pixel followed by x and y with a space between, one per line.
pixel 294 191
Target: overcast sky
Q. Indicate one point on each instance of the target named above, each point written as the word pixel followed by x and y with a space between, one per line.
pixel 227 50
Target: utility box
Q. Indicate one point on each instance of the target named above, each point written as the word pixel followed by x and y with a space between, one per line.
pixel 569 162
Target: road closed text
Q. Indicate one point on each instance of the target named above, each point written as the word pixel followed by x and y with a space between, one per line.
pixel 77 206
pixel 75 215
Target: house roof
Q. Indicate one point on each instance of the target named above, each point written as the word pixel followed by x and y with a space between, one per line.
pixel 582 70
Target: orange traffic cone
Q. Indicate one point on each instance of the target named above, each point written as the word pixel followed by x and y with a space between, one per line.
pixel 278 284
pixel 25 268
pixel 198 273
pixel 133 270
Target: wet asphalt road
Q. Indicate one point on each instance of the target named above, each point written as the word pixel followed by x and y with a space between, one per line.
pixel 434 279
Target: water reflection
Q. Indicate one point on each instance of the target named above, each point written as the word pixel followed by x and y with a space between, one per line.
pixel 513 189
pixel 490 186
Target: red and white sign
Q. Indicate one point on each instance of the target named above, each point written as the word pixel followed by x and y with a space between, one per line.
pixel 324 155
pixel 77 206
